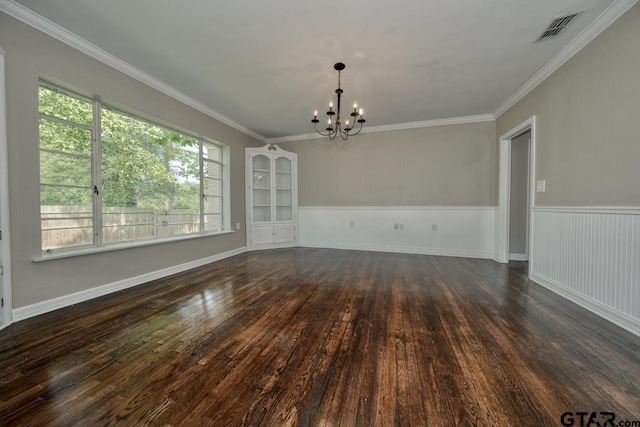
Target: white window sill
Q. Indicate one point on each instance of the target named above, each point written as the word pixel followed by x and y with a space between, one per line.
pixel 68 253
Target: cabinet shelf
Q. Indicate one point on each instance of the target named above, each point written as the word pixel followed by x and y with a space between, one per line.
pixel 271 195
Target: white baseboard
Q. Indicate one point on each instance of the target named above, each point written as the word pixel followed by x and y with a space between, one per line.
pixel 614 316
pixel 518 257
pixel 36 309
pixel 398 249
pixel 271 246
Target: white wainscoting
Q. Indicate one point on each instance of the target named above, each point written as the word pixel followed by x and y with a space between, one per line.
pixel 592 257
pixel 465 231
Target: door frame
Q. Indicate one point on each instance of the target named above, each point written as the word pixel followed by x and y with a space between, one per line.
pixel 5 243
pixel 504 186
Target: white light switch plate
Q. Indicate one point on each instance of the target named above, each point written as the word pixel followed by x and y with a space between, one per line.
pixel 540 186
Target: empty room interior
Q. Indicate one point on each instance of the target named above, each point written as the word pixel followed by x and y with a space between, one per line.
pixel 339 214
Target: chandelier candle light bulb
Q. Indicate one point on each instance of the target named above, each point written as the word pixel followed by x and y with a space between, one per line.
pixel 334 131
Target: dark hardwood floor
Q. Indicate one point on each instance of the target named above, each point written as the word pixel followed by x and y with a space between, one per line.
pixel 321 337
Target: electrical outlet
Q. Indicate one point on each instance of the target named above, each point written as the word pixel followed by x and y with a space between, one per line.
pixel 541 186
pixel 434 227
pixel 237 226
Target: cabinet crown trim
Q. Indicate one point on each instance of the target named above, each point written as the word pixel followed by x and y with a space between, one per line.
pixel 269 149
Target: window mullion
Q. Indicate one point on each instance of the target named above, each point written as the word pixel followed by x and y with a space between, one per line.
pixel 64 153
pixel 96 168
pixel 64 121
pixel 201 146
pixel 222 206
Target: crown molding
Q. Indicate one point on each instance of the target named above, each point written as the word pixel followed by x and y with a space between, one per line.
pixel 40 23
pixel 398 126
pixel 604 20
pixel 26 15
pixel 430 123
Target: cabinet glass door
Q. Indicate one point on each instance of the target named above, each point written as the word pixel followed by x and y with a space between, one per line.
pixel 261 188
pixel 284 189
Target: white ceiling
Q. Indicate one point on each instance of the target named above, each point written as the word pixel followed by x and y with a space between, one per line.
pixel 268 65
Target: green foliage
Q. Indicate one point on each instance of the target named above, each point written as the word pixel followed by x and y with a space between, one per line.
pixel 53 103
pixel 143 165
pixel 62 196
pixel 59 137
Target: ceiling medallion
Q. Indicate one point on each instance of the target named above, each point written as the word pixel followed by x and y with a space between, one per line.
pixel 334 127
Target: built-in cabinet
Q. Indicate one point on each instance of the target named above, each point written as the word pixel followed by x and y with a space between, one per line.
pixel 272 197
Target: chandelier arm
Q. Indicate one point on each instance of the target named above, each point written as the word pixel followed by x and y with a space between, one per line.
pixel 359 129
pixel 323 134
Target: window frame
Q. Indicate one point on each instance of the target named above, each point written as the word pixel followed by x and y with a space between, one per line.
pixel 98 244
pixel 205 196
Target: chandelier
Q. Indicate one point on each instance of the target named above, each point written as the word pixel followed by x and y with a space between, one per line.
pixel 334 127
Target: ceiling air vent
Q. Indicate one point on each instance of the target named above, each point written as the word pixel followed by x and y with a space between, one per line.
pixel 557 26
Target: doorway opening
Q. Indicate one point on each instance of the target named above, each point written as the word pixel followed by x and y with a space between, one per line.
pixel 519 198
pixel 516 194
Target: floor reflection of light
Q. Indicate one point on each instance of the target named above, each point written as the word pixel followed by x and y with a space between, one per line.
pixel 208 304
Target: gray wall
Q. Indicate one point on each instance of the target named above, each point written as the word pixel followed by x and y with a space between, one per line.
pixel 588 137
pixel 451 165
pixel 518 200
pixel 30 54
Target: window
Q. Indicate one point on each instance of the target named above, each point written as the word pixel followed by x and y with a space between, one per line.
pixel 108 177
pixel 212 186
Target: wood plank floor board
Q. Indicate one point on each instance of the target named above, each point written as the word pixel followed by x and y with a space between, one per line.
pixel 321 337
